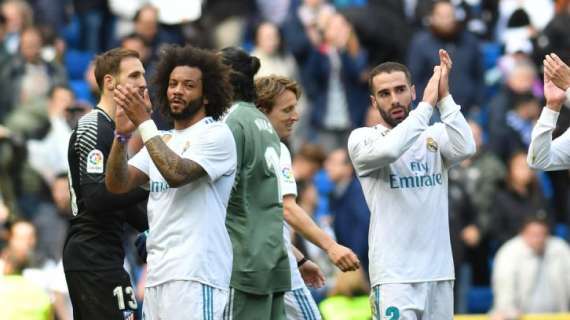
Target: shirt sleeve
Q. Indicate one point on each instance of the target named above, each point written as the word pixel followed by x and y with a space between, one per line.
pixel 286 178
pixel 141 161
pixel 543 153
pixel 215 152
pixel 459 143
pixel 372 152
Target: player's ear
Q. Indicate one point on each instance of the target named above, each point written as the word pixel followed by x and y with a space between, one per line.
pixel 109 82
pixel 373 100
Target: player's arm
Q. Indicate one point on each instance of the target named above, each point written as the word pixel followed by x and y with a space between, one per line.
pixel 543 153
pixel 310 271
pixel 369 153
pixel 121 177
pixel 341 256
pixel 176 170
pixel 460 144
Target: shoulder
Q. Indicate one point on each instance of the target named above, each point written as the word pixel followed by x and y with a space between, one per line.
pixel 557 246
pixel 361 135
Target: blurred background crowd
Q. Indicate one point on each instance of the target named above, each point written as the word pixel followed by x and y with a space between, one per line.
pixel 503 215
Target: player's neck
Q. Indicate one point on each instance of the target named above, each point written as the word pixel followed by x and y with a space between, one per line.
pixel 108 105
pixel 181 124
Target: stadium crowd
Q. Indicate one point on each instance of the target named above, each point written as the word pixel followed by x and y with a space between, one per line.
pixel 503 215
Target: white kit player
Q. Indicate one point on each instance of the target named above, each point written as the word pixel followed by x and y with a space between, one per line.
pixel 402 164
pixel 277 97
pixel 190 171
pixel 544 153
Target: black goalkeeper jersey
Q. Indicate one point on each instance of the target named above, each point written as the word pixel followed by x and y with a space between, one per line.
pixel 94 241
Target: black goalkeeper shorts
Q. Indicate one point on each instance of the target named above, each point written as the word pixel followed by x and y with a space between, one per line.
pixel 97 295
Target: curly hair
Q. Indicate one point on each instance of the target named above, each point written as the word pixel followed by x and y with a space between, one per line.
pixel 270 87
pixel 217 89
pixel 244 67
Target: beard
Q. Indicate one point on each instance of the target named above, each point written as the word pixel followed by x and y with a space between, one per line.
pixel 189 110
pixel 388 117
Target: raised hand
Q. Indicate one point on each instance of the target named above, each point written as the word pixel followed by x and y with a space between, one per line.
pixel 312 274
pixel 136 105
pixel 432 87
pixel 343 258
pixel 445 64
pixel 555 96
pixel 557 71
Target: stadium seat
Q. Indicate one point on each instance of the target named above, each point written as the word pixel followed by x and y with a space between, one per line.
pixel 76 62
pixel 479 299
pixel 561 230
pixel 81 90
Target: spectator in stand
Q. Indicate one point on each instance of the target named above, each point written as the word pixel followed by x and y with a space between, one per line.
pixel 95 24
pixel 20 297
pixel 19 16
pixel 49 155
pixel 29 76
pixel 515 135
pixel 530 273
pixel 347 205
pixel 338 95
pixel 447 33
pixel 520 198
pixel 52 220
pixel 270 50
pixel 520 78
pixel 479 176
pixel 146 26
pixel 307 162
pixel 556 36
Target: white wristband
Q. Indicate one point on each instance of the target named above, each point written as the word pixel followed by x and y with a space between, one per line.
pixel 568 94
pixel 148 130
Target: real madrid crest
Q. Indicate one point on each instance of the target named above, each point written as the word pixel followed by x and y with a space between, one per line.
pixel 431 145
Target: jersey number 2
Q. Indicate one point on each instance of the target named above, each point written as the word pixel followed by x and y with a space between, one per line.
pixel 132 302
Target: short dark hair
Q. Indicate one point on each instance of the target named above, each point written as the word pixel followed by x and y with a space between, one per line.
pixel 109 62
pixel 217 89
pixel 58 86
pixel 523 98
pixel 539 217
pixel 388 67
pixel 270 87
pixel 244 67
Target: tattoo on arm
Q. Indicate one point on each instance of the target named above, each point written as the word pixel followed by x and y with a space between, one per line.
pixel 117 176
pixel 176 170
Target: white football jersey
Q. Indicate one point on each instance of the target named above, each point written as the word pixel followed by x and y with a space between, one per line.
pixel 187 237
pixel 403 172
pixel 289 187
pixel 545 153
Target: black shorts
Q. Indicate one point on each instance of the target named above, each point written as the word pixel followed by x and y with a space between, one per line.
pixel 97 295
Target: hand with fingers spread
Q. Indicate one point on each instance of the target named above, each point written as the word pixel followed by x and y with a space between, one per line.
pixel 432 87
pixel 312 274
pixel 343 258
pixel 445 64
pixel 555 96
pixel 557 71
pixel 135 104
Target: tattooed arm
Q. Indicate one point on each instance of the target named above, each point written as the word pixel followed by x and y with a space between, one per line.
pixel 177 171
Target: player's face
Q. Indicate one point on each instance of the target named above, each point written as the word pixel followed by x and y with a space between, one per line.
pixel 284 114
pixel 131 72
pixel 184 92
pixel 393 96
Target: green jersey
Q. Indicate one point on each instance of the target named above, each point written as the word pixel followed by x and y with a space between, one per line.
pixel 255 211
